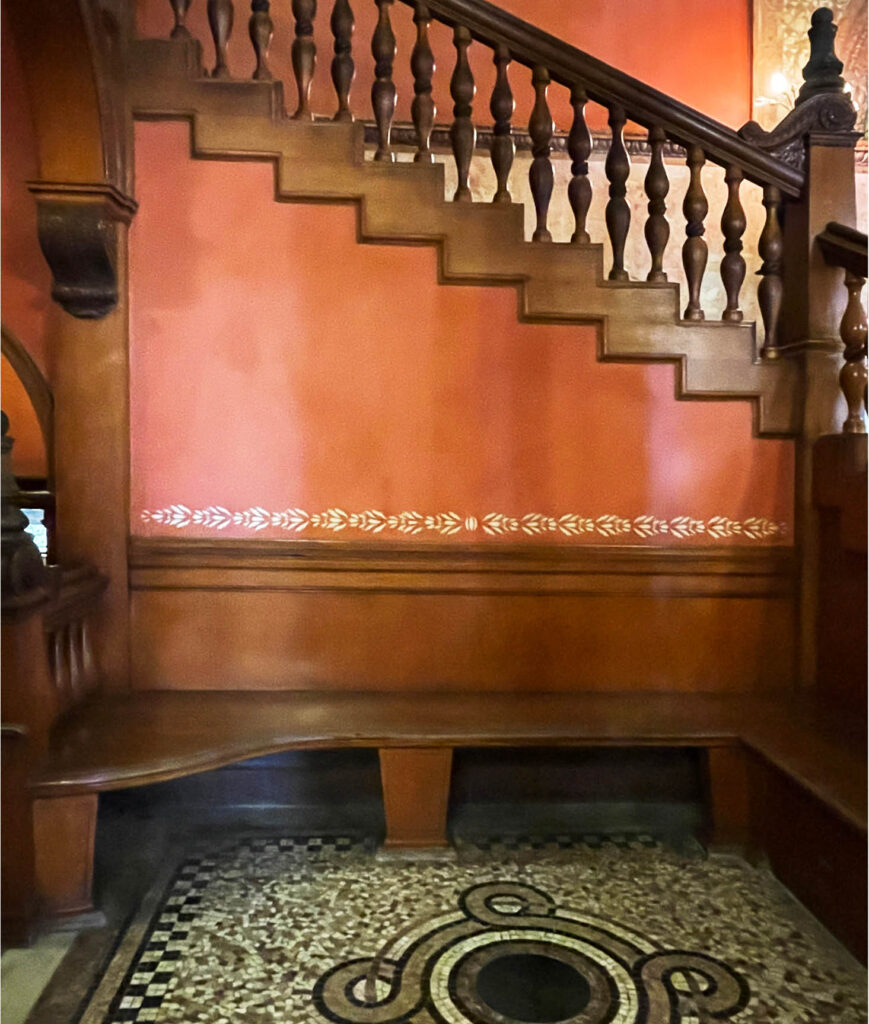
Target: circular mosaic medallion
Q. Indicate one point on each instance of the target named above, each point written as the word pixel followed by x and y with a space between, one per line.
pixel 511 956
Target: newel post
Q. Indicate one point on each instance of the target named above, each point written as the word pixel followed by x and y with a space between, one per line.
pixel 818 137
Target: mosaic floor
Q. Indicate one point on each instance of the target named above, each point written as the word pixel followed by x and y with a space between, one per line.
pixel 589 930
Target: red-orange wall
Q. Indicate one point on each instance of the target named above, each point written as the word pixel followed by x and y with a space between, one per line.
pixel 694 50
pixel 25 281
pixel 277 363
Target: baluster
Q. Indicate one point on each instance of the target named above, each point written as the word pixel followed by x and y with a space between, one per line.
pixel 733 228
pixel 180 9
pixel 540 175
pixel 769 291
pixel 853 376
pixel 501 107
pixel 304 56
pixel 657 229
pixel 89 665
pixel 220 17
pixel 694 249
pixel 342 24
pixel 76 680
pixel 579 150
pixel 422 64
pixel 463 134
pixel 59 666
pixel 618 213
pixel 261 31
pixel 383 90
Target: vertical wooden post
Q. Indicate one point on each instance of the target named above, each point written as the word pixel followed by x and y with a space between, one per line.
pixel 416 791
pixel 729 796
pixel 64 833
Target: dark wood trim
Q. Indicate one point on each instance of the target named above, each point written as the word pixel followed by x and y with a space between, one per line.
pixel 169 564
pixel 37 388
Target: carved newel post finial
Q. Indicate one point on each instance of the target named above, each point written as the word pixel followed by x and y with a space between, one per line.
pixel 22 566
pixel 823 73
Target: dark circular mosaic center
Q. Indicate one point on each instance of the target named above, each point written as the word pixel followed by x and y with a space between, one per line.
pixel 532 988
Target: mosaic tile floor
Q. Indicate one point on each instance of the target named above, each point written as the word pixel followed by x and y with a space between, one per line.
pixel 598 930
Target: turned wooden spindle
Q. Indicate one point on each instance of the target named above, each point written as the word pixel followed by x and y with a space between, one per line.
pixel 853 376
pixel 74 660
pixel 179 10
pixel 694 250
pixel 343 69
pixel 304 56
pixel 657 184
pixel 261 31
pixel 618 213
pixel 422 65
pixel 501 106
pixel 60 664
pixel 540 175
pixel 221 14
pixel 769 291
pixel 89 665
pixel 579 149
pixel 733 228
pixel 463 134
pixel 383 89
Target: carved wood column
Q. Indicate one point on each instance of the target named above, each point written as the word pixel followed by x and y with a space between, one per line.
pixel 74 74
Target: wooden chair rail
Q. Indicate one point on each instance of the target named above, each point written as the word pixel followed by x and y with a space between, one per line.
pixel 152 736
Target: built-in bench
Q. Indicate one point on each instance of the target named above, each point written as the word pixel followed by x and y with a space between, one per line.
pixel 754 745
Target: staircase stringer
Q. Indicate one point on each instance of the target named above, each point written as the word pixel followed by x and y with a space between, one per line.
pixel 477 243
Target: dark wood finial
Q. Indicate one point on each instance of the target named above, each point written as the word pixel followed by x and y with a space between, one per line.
pixel 220 17
pixel 501 106
pixel 179 10
pixel 383 89
pixel 579 149
pixel 694 250
pixel 853 376
pixel 618 213
pixel 422 65
pixel 733 228
pixel 261 31
pixel 23 570
pixel 823 73
pixel 463 134
pixel 657 229
pixel 304 56
pixel 343 69
pixel 769 291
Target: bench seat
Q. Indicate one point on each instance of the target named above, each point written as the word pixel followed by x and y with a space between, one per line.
pixel 151 736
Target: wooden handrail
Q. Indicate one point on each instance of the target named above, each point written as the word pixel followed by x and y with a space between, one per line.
pixel 645 105
pixel 844 247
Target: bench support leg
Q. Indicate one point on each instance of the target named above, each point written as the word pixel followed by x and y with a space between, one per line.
pixel 416 790
pixel 64 831
pixel 729 797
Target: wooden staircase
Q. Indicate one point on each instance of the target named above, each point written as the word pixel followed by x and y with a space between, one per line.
pixel 403 203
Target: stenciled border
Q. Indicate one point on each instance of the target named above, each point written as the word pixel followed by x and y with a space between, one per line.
pixel 450 524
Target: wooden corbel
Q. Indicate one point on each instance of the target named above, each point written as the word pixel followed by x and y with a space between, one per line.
pixel 77 231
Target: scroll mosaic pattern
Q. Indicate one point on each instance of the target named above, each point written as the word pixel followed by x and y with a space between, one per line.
pixel 316 929
pixel 451 524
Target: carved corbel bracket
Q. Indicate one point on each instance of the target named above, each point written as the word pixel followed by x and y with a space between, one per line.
pixel 77 226
pixel 825 119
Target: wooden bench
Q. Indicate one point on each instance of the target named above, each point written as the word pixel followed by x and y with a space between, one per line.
pixel 753 745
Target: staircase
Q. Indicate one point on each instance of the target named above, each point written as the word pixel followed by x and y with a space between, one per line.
pixel 483 243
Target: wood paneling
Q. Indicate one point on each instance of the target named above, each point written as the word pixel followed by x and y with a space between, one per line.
pixel 273 617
